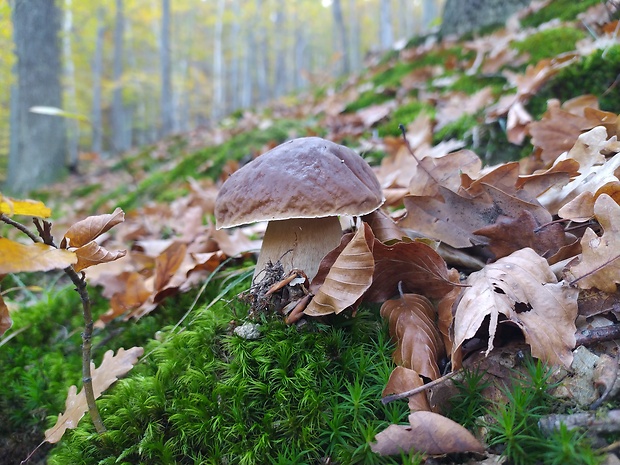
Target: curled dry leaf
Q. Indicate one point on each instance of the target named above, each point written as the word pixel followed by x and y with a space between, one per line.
pixel 405 379
pixel 419 345
pixel 16 257
pixel 93 254
pixel 349 277
pixel 383 227
pixel 428 433
pixel 88 229
pixel 168 262
pixel 415 264
pixel 600 263
pixel 522 288
pixel 112 367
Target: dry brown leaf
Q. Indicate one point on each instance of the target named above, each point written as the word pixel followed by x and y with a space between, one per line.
pixel 349 277
pixel 383 227
pixel 405 379
pixel 5 318
pixel 16 257
pixel 419 345
pixel 428 433
pixel 444 310
pixel 510 234
pixel 599 266
pixel 112 367
pixel 523 289
pixel 581 208
pixel 414 264
pixel 167 264
pixel 88 229
pixel 445 170
pixel 93 254
pixel 134 293
pixel 454 218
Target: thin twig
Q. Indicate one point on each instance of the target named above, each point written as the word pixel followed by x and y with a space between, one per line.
pixel 412 392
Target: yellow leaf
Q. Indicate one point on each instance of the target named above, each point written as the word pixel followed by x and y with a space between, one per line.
pixel 11 207
pixel 16 257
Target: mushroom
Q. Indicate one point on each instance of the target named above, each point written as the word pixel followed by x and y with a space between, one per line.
pixel 300 187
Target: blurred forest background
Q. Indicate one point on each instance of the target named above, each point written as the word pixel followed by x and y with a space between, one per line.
pixel 125 73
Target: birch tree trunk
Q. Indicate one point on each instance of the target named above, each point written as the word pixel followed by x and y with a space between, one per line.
pixel 167 110
pixel 38 142
pixel 386 36
pixel 217 102
pixel 117 111
pixel 96 118
pixel 340 34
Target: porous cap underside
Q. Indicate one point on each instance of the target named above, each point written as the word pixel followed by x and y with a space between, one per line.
pixel 307 177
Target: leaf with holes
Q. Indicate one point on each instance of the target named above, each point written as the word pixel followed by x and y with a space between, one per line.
pixel 522 288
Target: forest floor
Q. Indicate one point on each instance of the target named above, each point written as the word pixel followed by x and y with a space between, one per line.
pixel 492 261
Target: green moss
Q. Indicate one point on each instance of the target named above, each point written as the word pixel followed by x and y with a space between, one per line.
pixel 367 99
pixel 404 114
pixel 208 396
pixel 549 43
pixel 564 10
pixel 594 74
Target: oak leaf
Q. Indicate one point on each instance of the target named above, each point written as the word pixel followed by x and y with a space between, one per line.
pixel 600 263
pixel 428 433
pixel 88 229
pixel 112 367
pixel 522 288
pixel 17 257
pixel 349 277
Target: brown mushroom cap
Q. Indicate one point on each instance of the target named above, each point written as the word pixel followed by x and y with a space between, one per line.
pixel 307 177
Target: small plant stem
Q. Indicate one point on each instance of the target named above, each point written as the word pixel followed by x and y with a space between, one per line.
pixel 20 227
pixel 45 232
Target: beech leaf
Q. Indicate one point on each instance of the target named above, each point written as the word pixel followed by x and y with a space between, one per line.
pixel 600 263
pixel 5 318
pixel 93 254
pixel 16 257
pixel 10 207
pixel 88 229
pixel 349 277
pixel 405 379
pixel 522 288
pixel 112 367
pixel 419 345
pixel 428 433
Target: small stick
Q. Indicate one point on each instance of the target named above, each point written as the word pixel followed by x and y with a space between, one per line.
pixel 404 395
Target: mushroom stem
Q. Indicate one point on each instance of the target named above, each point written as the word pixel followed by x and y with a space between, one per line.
pixel 307 241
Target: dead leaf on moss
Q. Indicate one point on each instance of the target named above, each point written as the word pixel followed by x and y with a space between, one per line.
pixel 599 266
pixel 405 379
pixel 428 433
pixel 5 318
pixel 419 346
pixel 112 367
pixel 523 289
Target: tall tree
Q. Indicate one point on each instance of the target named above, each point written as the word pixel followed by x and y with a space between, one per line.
pixel 217 102
pixel 71 94
pixel 386 35
pixel 96 118
pixel 118 111
pixel 39 145
pixel 167 110
pixel 340 34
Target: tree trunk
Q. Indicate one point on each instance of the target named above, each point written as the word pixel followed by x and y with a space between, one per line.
pixel 38 142
pixel 96 118
pixel 430 13
pixel 461 16
pixel 354 37
pixel 167 110
pixel 217 102
pixel 117 111
pixel 73 134
pixel 385 25
pixel 340 33
pixel 260 55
